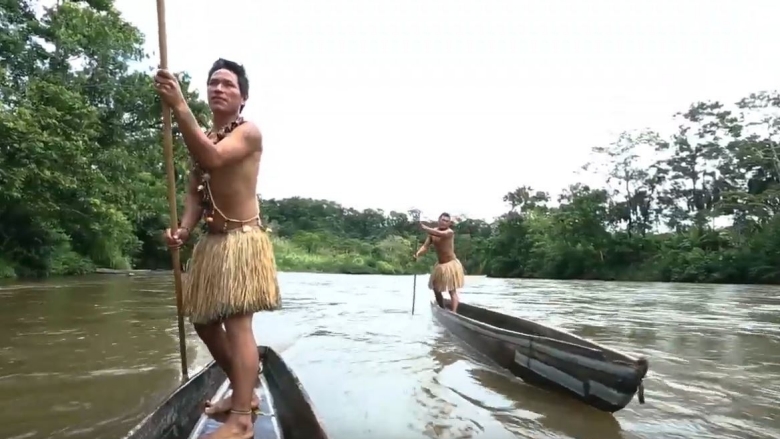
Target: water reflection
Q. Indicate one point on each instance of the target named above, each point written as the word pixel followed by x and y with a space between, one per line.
pixel 518 407
pixel 547 411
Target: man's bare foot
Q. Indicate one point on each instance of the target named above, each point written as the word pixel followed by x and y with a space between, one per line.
pixel 225 404
pixel 236 426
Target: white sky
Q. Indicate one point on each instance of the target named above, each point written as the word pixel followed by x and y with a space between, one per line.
pixel 448 105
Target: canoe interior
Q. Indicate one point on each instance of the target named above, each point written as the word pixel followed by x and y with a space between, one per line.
pixel 266 424
pixel 523 326
pixel 601 377
pixel 287 412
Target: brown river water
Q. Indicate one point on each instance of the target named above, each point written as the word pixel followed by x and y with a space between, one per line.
pixel 88 357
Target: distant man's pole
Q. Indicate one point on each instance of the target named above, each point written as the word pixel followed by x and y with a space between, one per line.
pixel 414 292
pixel 168 153
pixel 415 218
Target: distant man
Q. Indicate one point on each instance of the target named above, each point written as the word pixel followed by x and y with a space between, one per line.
pixel 232 272
pixel 447 274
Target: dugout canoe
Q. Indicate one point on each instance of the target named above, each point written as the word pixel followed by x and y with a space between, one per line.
pixel 287 411
pixel 541 355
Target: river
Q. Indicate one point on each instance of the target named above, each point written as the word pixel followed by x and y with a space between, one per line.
pixel 88 357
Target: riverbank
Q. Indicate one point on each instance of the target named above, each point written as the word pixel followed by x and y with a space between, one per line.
pixel 387 257
pixel 305 254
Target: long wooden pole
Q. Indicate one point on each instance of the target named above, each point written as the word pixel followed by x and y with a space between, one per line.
pixel 416 218
pixel 414 293
pixel 168 152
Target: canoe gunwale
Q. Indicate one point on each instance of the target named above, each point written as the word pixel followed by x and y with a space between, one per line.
pixel 179 413
pixel 208 377
pixel 281 377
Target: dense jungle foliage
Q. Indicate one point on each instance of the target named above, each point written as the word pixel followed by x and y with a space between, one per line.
pixel 83 182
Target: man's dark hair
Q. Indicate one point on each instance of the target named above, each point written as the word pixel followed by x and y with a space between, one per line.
pixel 444 214
pixel 237 69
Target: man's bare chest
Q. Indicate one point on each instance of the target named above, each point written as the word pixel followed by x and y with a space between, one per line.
pixel 226 182
pixel 438 241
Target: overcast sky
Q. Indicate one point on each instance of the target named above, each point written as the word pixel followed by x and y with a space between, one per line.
pixel 448 105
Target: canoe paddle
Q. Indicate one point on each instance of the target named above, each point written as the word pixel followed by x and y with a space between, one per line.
pixel 416 218
pixel 168 153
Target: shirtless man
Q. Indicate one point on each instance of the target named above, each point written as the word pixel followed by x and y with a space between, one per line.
pixel 232 272
pixel 447 274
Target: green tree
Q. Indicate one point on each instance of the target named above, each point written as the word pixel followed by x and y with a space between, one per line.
pixel 83 183
pixel 80 155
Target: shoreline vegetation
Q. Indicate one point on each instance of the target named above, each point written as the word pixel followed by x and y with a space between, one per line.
pixel 83 183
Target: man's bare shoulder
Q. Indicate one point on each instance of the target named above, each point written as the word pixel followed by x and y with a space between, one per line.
pixel 249 132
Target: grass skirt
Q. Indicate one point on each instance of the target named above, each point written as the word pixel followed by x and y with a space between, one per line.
pixel 229 274
pixel 446 277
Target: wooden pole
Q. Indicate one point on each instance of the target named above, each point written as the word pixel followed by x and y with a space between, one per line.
pixel 168 153
pixel 414 293
pixel 416 218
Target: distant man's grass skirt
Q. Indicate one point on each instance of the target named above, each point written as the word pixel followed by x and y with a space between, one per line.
pixel 230 274
pixel 446 277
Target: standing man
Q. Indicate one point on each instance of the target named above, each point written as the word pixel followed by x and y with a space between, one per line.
pixel 232 272
pixel 447 274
